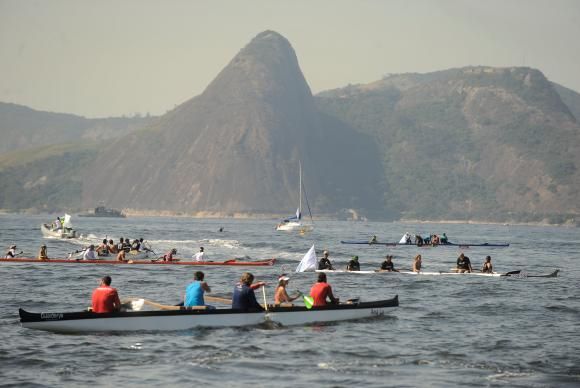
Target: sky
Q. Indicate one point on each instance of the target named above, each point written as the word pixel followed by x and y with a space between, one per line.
pixel 112 58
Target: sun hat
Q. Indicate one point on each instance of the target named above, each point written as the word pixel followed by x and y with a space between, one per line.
pixel 283 277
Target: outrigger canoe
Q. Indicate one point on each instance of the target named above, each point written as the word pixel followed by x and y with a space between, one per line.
pixel 518 274
pixel 395 244
pixel 184 319
pixel 158 262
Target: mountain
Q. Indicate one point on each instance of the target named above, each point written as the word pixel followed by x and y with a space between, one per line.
pixel 24 128
pixel 235 148
pixel 482 143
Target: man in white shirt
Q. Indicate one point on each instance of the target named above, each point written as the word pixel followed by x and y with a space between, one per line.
pixel 200 256
pixel 90 253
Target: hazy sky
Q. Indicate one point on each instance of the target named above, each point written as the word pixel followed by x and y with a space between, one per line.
pixel 103 58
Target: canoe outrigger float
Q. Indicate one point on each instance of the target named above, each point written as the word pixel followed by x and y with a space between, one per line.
pixel 184 319
pixel 516 274
pixel 158 262
pixel 398 244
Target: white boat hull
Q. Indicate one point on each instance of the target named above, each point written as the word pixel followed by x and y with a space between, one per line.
pixel 60 233
pixel 294 226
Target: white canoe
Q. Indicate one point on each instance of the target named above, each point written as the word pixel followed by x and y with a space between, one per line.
pixel 59 233
pixel 519 274
pixel 78 322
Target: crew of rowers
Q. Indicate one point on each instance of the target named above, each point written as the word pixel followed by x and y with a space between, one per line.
pixel 105 299
pixel 463 264
pixel 432 240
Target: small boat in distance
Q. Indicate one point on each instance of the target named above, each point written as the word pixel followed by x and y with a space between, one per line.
pixel 64 230
pixel 102 211
pixel 294 223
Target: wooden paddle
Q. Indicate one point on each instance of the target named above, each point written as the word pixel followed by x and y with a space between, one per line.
pixel 158 305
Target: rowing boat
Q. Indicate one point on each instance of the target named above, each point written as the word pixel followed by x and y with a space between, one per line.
pixel 64 233
pixel 519 274
pixel 158 262
pixel 184 319
pixel 395 244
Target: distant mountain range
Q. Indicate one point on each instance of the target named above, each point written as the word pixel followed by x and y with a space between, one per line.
pixel 478 143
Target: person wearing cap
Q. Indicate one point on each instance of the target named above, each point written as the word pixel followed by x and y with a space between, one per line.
pixel 244 297
pixel 281 295
pixel 105 298
pixel 353 264
pixel 42 254
pixel 90 253
pixel 11 252
pixel 487 266
pixel 321 291
pixel 200 256
pixel 324 262
pixel 388 265
pixel 195 290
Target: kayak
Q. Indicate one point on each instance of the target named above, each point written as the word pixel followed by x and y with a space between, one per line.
pixel 232 262
pixel 394 244
pixel 515 274
pixel 184 319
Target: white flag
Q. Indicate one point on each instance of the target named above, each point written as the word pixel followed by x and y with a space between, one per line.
pixel 308 262
pixel 67 223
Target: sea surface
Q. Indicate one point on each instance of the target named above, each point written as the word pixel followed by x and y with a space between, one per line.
pixel 449 331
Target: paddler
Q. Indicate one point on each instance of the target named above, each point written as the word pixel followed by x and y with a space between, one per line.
pixel 105 298
pixel 103 248
pixel 42 254
pixel 487 266
pixel 281 295
pixel 417 262
pixel 388 265
pixel 443 239
pixel 169 255
pixel 353 264
pixel 11 253
pixel 200 256
pixel 373 240
pixel 244 297
pixel 321 290
pixel 90 253
pixel 463 264
pixel 195 290
pixel 324 262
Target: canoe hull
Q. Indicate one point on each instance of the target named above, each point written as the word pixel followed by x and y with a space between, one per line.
pixel 441 273
pixel 82 322
pixel 260 263
pixel 396 244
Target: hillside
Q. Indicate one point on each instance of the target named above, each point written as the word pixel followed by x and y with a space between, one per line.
pixel 25 128
pixel 46 178
pixel 473 143
pixel 235 148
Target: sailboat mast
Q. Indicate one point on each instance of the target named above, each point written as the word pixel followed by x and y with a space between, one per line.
pixel 300 182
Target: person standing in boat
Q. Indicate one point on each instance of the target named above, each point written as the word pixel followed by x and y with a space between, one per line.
pixel 388 265
pixel 105 298
pixel 200 256
pixel 195 290
pixel 324 262
pixel 321 291
pixel 353 264
pixel 417 263
pixel 244 297
pixel 42 254
pixel 487 266
pixel 463 264
pixel 281 294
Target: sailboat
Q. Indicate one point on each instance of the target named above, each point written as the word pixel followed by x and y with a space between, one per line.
pixel 295 222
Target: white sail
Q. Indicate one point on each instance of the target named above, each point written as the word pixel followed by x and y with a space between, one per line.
pixel 308 262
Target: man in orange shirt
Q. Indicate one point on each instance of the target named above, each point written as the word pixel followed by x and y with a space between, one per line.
pixel 322 290
pixel 105 297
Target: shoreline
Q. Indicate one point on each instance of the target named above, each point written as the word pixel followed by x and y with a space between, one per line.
pixel 268 216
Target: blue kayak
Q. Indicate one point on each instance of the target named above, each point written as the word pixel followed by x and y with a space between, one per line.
pixel 393 244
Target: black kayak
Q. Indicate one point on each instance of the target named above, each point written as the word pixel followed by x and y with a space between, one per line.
pixel 394 244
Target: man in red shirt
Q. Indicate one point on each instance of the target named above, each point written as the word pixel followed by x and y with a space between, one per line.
pixel 105 297
pixel 322 290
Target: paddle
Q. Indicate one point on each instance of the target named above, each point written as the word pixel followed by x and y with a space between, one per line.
pixel 217 299
pixel 137 303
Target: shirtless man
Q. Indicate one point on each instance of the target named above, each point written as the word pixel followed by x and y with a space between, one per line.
pixel 417 263
pixel 487 266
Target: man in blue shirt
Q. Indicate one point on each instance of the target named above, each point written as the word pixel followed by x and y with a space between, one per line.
pixel 195 290
pixel 244 297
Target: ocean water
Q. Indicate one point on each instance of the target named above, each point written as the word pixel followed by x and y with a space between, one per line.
pixel 455 331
